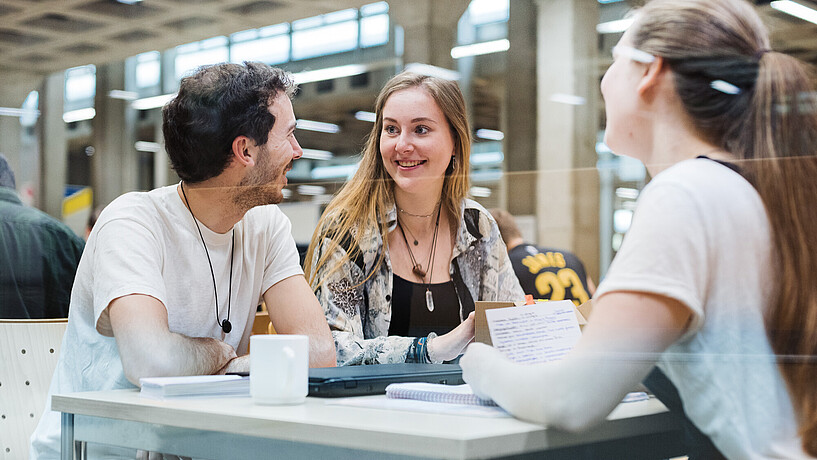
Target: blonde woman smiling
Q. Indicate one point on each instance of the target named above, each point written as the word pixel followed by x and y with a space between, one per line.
pixel 400 255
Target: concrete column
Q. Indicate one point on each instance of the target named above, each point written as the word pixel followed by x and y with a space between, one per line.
pixel 519 120
pixel 114 164
pixel 567 185
pixel 53 146
pixel 430 29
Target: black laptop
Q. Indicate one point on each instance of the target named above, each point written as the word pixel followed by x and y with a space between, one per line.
pixel 333 382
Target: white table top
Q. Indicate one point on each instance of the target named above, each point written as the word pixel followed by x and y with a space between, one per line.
pixel 317 421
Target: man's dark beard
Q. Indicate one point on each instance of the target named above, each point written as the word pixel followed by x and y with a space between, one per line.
pixel 258 191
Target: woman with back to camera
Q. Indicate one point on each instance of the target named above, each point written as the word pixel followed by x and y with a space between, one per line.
pixel 714 281
pixel 400 254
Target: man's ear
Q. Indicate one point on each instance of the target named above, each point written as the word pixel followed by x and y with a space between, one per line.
pixel 653 74
pixel 244 151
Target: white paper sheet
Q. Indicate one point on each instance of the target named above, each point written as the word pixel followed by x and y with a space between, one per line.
pixel 544 331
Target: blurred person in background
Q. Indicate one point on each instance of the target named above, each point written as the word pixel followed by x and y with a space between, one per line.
pixel 714 281
pixel 545 273
pixel 38 257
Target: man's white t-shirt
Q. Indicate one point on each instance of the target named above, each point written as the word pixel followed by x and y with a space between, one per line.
pixel 147 243
pixel 700 235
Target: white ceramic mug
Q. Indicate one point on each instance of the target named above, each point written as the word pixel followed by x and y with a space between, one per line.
pixel 279 368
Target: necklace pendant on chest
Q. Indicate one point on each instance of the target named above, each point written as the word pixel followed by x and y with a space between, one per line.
pixel 418 270
pixel 429 300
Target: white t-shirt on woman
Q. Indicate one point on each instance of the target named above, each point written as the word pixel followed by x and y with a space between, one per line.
pixel 700 235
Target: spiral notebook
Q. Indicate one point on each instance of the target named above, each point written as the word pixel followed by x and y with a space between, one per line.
pixel 452 394
pixel 460 394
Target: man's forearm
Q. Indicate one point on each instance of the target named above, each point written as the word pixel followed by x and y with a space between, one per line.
pixel 177 354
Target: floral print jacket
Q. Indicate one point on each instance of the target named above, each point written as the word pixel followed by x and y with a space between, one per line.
pixel 359 314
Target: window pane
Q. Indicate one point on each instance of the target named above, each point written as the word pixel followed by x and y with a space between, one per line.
pixel 188 62
pixel 272 50
pixel 301 24
pixel 324 40
pixel 340 16
pixel 276 29
pixel 485 11
pixel 374 30
pixel 148 68
pixel 80 83
pixel 244 35
pixel 374 8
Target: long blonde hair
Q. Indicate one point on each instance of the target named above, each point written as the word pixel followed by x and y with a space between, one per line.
pixel 770 125
pixel 363 202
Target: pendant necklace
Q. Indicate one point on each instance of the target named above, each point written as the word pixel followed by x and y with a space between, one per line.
pixel 417 268
pixel 226 326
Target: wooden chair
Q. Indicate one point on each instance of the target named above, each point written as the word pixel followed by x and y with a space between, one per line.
pixel 28 355
pixel 263 324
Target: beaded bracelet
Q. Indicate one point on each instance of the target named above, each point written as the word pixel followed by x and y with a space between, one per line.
pixel 422 351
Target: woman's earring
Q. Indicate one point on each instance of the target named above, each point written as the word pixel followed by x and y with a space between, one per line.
pixel 451 165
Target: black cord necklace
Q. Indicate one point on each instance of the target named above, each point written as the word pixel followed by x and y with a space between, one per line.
pixel 226 326
pixel 417 268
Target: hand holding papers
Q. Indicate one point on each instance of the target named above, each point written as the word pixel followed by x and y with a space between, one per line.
pixel 541 332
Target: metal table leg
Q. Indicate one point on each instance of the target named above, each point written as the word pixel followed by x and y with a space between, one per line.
pixel 67 437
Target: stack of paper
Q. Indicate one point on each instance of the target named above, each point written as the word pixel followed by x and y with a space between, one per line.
pixel 195 385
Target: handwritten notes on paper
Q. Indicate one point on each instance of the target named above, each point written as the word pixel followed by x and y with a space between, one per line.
pixel 544 331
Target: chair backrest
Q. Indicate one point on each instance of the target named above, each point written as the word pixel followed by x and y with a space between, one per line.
pixel 261 324
pixel 29 350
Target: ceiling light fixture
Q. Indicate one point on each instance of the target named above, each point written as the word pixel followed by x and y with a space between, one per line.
pixel 329 73
pixel 614 27
pixel 490 134
pixel 477 49
pixel 432 71
pixel 153 102
pixel 13 112
pixel 334 172
pixel 124 95
pixel 362 115
pixel 569 99
pixel 147 146
pixel 487 158
pixel 78 115
pixel 311 190
pixel 795 9
pixel 319 126
pixel 312 154
pixel 480 192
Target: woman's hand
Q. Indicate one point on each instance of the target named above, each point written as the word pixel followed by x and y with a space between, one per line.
pixel 448 346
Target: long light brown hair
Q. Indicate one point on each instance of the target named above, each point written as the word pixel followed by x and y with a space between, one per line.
pixel 363 202
pixel 771 127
